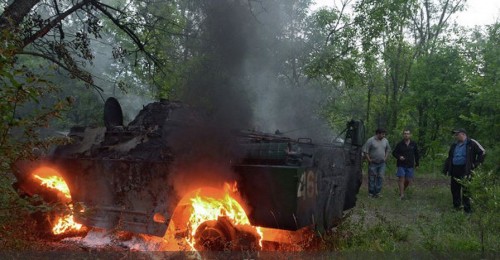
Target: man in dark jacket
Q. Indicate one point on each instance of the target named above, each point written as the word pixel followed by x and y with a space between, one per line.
pixel 406 154
pixel 464 156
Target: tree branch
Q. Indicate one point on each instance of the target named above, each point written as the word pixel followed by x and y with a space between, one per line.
pixel 41 55
pixel 43 31
pixel 59 26
pixel 14 14
pixel 335 29
pixel 128 31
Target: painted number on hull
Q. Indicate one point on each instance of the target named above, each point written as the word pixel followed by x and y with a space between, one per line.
pixel 307 186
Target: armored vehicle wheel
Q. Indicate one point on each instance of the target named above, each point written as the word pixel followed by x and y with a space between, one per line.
pixel 214 235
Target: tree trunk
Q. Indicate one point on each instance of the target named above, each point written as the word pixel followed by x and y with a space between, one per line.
pixel 14 14
pixel 370 90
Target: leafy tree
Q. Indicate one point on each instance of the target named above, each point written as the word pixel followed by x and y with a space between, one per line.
pixel 389 25
pixel 25 115
pixel 334 61
pixel 47 29
pixel 485 110
pixel 21 88
pixel 166 28
pixel 438 95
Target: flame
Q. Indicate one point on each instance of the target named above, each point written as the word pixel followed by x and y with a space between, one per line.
pixel 54 181
pixel 208 208
pixel 65 224
pixel 211 207
pixel 261 234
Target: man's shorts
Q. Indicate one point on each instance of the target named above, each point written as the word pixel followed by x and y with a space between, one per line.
pixel 405 172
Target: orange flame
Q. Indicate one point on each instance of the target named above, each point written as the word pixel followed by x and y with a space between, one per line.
pixel 65 223
pixel 206 208
pixel 56 183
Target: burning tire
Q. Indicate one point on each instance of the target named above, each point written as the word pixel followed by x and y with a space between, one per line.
pixel 48 185
pixel 222 235
pixel 215 235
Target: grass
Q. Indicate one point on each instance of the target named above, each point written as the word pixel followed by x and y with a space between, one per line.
pixel 424 221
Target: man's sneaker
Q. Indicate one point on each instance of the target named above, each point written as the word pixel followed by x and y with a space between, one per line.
pixel 377 195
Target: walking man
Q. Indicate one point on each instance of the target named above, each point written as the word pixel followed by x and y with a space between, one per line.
pixel 465 155
pixel 376 149
pixel 406 154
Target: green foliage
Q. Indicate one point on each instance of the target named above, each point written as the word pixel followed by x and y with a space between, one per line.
pixel 492 159
pixel 25 110
pixel 334 64
pixel 19 88
pixel 439 94
pixel 171 33
pixel 484 113
pixel 452 232
pixel 381 235
pixel 484 189
pixel 425 222
pixel 86 109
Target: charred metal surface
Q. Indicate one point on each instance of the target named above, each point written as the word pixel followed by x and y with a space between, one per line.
pixel 292 184
pixel 120 173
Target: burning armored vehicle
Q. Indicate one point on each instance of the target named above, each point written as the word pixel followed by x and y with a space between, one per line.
pixel 130 178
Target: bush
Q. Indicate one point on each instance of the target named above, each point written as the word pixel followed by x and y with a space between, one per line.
pixel 484 189
pixel 21 90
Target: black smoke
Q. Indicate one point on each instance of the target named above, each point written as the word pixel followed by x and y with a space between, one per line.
pixel 238 84
pixel 216 86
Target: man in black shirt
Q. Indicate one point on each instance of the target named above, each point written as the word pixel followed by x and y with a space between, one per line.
pixel 406 154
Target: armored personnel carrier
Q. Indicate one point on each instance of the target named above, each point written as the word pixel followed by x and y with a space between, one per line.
pixel 129 177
